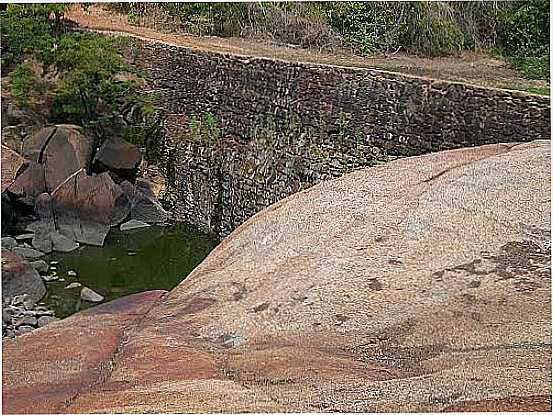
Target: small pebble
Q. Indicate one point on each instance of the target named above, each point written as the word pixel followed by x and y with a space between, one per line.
pixel 73 285
pixel 25 236
pixel 89 295
pixel 24 329
pixel 25 321
pixel 44 320
pixel 71 273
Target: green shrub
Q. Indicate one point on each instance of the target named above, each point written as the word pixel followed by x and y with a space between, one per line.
pixel 28 30
pixel 89 86
pixel 525 37
pixel 22 83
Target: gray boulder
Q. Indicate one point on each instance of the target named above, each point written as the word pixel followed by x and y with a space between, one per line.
pixel 19 277
pixel 144 205
pixel 27 252
pixel 40 265
pixel 8 242
pixel 44 320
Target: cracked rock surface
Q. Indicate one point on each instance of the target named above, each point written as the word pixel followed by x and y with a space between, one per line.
pixel 420 285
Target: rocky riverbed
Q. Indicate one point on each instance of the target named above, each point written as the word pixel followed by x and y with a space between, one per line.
pixel 60 284
pixel 62 190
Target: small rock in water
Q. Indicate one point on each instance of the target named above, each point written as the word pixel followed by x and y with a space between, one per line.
pixel 8 242
pixel 61 280
pixel 29 304
pixel 27 252
pixel 73 285
pixel 49 278
pixel 40 265
pixel 44 320
pixel 18 299
pixel 62 243
pixel 133 224
pixel 54 262
pixel 6 315
pixel 25 321
pixel 71 273
pixel 88 295
pixel 24 329
pixel 25 237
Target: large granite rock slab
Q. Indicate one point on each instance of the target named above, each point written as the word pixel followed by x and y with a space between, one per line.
pixel 19 277
pixel 419 286
pixel 86 206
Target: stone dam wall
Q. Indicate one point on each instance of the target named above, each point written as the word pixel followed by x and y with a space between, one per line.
pixel 241 133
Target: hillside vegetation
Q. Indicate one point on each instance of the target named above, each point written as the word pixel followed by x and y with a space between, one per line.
pixel 70 76
pixel 518 31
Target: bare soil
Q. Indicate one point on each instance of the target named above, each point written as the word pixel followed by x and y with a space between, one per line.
pixel 472 68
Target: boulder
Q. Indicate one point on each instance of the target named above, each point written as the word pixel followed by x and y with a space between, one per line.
pixel 118 156
pixel 29 184
pixel 27 252
pixel 40 265
pixel 61 150
pixel 86 206
pixel 422 285
pixel 8 242
pixel 19 277
pixel 53 241
pixel 45 320
pixel 11 163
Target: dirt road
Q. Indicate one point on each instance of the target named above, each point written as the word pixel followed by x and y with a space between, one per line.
pixel 471 68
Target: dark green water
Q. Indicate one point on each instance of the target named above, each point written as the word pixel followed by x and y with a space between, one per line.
pixel 129 262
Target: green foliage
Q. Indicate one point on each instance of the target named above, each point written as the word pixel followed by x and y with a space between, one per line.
pixel 90 94
pixel 94 86
pixel 207 129
pixel 22 83
pixel 422 28
pixel 28 30
pixel 526 37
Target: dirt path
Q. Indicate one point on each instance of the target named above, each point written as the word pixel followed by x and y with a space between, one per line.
pixel 470 68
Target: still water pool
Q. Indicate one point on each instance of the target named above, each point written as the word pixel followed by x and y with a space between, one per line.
pixel 129 262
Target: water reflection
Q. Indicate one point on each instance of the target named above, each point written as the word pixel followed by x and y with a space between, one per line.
pixel 129 262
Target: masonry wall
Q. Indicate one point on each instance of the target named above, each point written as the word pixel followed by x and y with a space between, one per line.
pixel 242 133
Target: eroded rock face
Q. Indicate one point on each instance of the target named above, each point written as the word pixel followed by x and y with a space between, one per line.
pixel 422 285
pixel 19 277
